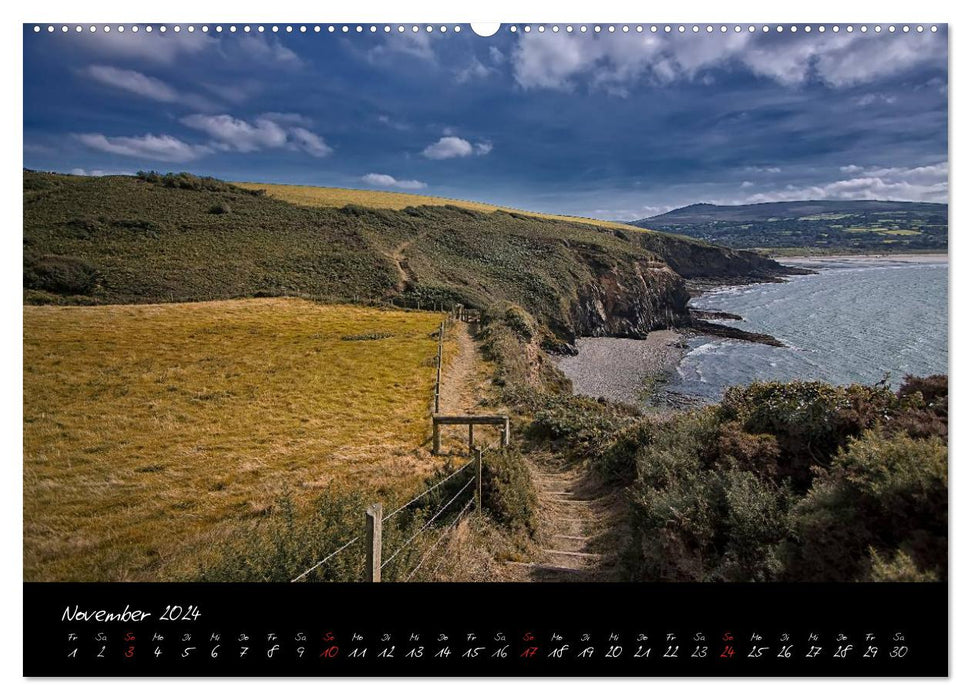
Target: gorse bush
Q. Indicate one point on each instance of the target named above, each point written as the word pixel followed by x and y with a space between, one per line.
pixel 885 494
pixel 507 490
pixel 220 208
pixel 799 481
pixel 809 420
pixel 577 423
pixel 188 181
pixel 60 274
pixel 281 545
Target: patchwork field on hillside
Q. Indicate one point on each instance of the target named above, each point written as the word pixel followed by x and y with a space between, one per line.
pixel 152 432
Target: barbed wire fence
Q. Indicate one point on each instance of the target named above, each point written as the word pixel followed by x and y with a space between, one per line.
pixel 464 497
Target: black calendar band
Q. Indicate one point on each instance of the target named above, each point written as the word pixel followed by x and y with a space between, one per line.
pixel 340 630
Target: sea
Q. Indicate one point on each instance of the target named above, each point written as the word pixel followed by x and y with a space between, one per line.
pixel 858 320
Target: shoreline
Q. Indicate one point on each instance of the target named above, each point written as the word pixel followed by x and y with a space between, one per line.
pixel 904 258
pixel 628 370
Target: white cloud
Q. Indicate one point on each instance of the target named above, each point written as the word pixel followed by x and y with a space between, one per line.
pixel 476 70
pixel 448 147
pixel 262 49
pixel 771 169
pixel 143 85
pixel 99 173
pixel 239 135
pixel 232 134
pixel 631 214
pixel 412 44
pixel 923 184
pixel 851 169
pixel 133 81
pixel 455 147
pixel 382 180
pixel 748 183
pixel 152 48
pixel 310 142
pixel 148 147
pixel 874 98
pixel 614 63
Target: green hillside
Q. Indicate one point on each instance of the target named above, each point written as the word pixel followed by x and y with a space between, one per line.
pixel 184 238
pixel 863 226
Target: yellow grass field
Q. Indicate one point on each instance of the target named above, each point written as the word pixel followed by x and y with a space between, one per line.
pixel 150 432
pixel 309 196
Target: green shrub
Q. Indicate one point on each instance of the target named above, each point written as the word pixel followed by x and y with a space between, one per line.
pixel 810 420
pixel 885 493
pixel 61 274
pixel 717 499
pixel 900 568
pixel 923 407
pixel 619 459
pixel 578 423
pixel 738 449
pixel 507 490
pixel 220 208
pixel 280 546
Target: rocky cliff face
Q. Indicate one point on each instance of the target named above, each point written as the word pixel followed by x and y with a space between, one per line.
pixel 630 303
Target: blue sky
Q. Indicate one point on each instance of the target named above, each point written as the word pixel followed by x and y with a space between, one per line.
pixel 615 126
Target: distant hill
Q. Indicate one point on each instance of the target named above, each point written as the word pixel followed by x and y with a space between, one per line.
pixel 179 237
pixel 857 225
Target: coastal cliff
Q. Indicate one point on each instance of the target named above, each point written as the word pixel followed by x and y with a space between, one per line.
pixel 120 239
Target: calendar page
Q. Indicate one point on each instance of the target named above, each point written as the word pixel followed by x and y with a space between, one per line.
pixel 539 349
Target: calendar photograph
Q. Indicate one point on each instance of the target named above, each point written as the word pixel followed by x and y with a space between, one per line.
pixel 393 314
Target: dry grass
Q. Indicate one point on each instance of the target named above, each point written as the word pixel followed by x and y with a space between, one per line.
pixel 152 431
pixel 335 197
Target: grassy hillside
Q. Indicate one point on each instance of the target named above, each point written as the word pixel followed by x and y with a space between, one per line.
pixel 183 238
pixel 155 432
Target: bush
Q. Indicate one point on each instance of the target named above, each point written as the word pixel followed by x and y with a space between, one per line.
pixel 810 420
pixel 881 493
pixel 220 208
pixel 738 449
pixel 923 407
pixel 578 423
pixel 619 459
pixel 522 369
pixel 507 490
pixel 280 545
pixel 708 525
pixel 60 274
pixel 900 568
pixel 715 499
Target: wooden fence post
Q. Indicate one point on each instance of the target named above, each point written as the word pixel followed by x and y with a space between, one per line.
pixel 505 433
pixel 436 438
pixel 372 539
pixel 478 479
pixel 438 364
pixel 471 438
